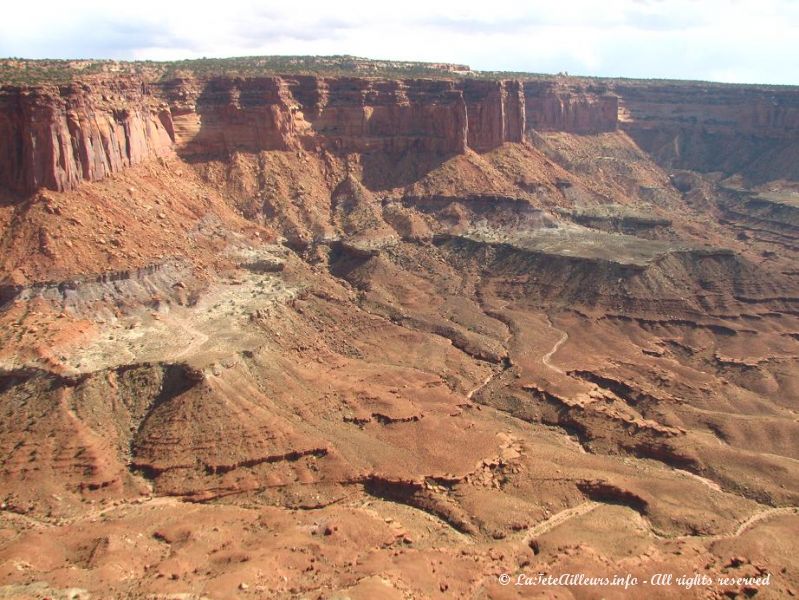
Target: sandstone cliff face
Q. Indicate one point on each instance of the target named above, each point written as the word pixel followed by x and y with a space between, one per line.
pixel 496 112
pixel 758 110
pixel 753 130
pixel 57 137
pixel 359 115
pixel 345 113
pixel 224 114
pixel 558 107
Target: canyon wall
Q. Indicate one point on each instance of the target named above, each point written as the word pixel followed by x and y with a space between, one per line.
pixel 217 116
pixel 496 112
pixel 554 106
pixel 57 136
pixel 350 114
pixel 751 130
pixel 361 115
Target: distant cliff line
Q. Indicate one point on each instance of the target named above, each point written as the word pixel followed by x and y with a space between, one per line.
pixel 56 137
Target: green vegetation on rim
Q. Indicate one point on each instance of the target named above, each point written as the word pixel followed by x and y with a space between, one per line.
pixel 15 71
pixel 24 72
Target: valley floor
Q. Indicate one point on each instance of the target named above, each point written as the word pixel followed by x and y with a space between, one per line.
pixel 276 378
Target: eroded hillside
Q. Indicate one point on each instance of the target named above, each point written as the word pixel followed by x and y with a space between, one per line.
pixel 344 336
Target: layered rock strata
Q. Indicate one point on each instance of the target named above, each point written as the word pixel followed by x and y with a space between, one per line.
pixel 57 137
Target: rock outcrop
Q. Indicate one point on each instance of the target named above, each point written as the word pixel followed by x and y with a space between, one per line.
pixel 361 115
pixel 56 137
pixel 391 336
pixel 752 130
pixel 554 106
pixel 223 114
pixel 496 112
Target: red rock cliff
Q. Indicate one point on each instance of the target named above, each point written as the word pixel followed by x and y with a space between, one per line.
pixel 748 129
pixel 362 115
pixel 554 106
pixel 224 114
pixel 55 137
pixel 496 112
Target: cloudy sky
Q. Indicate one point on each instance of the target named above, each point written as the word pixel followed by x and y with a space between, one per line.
pixel 719 40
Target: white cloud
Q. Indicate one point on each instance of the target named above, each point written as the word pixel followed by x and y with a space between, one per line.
pixel 729 40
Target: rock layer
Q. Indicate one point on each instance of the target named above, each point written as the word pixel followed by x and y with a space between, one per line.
pixel 56 137
pixel 576 109
pixel 751 130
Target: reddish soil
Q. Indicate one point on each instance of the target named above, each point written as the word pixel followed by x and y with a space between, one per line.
pixel 384 371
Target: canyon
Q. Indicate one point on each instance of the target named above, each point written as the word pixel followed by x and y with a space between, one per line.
pixel 340 332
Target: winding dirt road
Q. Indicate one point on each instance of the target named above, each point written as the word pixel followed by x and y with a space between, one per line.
pixel 558 519
pixel 548 356
pixel 761 516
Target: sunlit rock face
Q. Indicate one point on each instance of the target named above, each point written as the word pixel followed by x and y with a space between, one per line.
pixel 395 335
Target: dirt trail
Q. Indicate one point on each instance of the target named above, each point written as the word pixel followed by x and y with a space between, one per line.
pixel 132 503
pixel 487 380
pixel 704 480
pixel 708 411
pixel 93 514
pixel 756 518
pixel 744 525
pixel 546 358
pixel 582 509
pixel 558 519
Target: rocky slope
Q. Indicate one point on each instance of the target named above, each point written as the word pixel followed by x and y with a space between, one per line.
pixel 317 335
